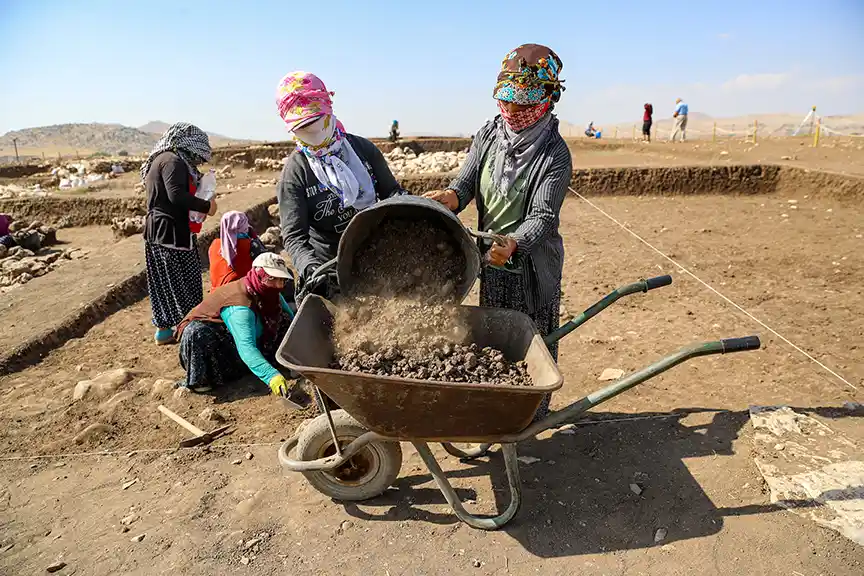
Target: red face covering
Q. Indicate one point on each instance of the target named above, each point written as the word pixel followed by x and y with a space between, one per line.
pixel 526 118
pixel 267 300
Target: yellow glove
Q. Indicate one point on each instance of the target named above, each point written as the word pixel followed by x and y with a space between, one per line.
pixel 279 386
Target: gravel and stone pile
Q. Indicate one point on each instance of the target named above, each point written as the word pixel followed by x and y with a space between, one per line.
pixel 401 319
pixel 11 191
pixel 404 162
pixel 25 253
pixel 449 362
pixel 125 227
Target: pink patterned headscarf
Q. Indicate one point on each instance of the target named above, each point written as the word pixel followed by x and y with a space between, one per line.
pixel 301 97
pixel 232 224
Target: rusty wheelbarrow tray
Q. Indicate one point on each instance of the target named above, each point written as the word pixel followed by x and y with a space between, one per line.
pixel 353 453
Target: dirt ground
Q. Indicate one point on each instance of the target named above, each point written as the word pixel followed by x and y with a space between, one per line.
pixel 691 455
pixel 684 437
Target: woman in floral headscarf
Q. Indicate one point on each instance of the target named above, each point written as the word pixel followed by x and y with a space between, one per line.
pixel 332 176
pixel 517 173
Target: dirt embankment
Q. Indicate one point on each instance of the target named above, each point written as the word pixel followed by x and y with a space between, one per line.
pixel 715 180
pixel 246 155
pixel 122 294
pixel 23 170
pixel 75 211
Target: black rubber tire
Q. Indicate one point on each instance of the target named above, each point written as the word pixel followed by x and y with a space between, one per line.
pixel 378 464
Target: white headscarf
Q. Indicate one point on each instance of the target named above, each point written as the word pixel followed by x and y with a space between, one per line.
pixel 335 163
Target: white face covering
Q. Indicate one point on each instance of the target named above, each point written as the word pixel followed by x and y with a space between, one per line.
pixel 316 133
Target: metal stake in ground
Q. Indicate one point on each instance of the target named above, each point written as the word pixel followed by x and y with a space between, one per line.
pixel 201 437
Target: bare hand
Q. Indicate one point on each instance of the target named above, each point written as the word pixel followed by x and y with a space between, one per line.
pixel 499 255
pixel 212 210
pixel 445 197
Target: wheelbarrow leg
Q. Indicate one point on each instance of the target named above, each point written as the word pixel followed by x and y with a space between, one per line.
pixel 512 466
pixel 468 454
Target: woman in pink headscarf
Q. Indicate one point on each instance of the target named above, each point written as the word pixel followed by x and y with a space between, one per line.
pixel 332 176
pixel 232 253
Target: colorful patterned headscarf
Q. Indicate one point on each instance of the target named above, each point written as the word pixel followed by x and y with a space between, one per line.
pixel 302 97
pixel 529 76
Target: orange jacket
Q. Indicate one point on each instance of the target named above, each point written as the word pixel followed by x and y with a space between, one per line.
pixel 220 272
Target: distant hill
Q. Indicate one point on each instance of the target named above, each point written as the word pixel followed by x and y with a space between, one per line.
pixel 158 127
pixel 91 138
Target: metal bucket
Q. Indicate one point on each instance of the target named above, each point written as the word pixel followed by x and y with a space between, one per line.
pixel 406 208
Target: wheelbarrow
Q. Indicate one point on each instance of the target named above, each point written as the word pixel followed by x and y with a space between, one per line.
pixel 353 453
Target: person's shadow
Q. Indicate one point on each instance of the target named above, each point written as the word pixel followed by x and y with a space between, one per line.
pixel 577 498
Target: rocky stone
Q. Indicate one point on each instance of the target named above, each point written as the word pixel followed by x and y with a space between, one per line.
pixel 130 483
pixel 125 227
pixel 273 210
pixel 212 415
pixel 161 388
pixel 102 385
pixel 226 171
pixel 611 374
pixel 237 462
pixel 245 561
pixel 137 538
pixel 92 431
pixel 660 535
pixel 130 519
pixel 635 488
pixel 3 251
pixel 55 567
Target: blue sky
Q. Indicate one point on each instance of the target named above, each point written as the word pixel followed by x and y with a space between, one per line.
pixel 431 65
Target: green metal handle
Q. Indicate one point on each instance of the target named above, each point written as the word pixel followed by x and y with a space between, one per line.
pixel 573 411
pixel 605 302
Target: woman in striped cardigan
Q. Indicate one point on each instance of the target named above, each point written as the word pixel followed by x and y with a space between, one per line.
pixel 517 172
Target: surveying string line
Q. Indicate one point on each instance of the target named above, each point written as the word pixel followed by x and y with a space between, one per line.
pixel 715 291
pixel 132 451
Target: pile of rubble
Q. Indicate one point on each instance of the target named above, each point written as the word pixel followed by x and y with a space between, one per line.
pixel 272 237
pixel 125 227
pixel 27 255
pixel 267 165
pixel 10 191
pixel 404 162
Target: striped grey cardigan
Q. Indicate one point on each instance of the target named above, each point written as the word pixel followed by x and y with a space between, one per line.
pixel 538 240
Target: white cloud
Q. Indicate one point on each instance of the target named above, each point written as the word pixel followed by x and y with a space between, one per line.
pixel 724 35
pixel 756 82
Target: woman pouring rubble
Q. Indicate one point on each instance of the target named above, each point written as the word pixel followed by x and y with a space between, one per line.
pixel 517 173
pixel 235 327
pixel 332 176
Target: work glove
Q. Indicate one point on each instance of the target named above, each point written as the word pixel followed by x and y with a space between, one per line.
pixel 279 386
pixel 291 394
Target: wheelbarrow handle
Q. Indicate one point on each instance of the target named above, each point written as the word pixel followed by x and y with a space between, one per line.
pixel 605 302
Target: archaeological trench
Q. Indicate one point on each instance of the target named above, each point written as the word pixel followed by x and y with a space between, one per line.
pixel 66 235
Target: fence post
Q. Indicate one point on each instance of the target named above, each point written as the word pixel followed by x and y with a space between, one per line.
pixel 616 133
pixel 634 132
pixel 816 134
pixel 755 129
pixel 714 133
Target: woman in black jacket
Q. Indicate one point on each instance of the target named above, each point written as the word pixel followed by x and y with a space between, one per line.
pixel 171 178
pixel 332 175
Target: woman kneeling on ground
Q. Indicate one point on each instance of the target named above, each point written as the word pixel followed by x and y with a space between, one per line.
pixel 332 176
pixel 517 172
pixel 232 330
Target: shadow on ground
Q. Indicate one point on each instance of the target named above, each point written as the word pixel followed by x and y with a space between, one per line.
pixel 577 499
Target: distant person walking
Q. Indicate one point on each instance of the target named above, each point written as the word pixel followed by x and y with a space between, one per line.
pixel 171 177
pixel 394 131
pixel 647 120
pixel 680 117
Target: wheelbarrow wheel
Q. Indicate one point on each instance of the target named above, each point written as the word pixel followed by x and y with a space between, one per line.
pixel 366 475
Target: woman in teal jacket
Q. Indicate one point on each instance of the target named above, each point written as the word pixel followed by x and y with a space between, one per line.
pixel 236 330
